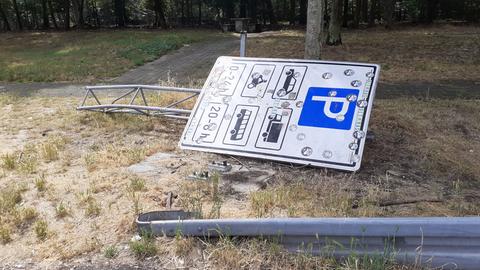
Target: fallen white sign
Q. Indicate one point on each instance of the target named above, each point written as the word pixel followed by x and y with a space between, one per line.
pixel 299 111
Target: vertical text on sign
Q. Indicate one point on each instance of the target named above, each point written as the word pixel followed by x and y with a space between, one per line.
pixel 207 128
pixel 228 79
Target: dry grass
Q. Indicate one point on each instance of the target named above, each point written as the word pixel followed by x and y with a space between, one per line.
pixel 411 138
pixel 410 54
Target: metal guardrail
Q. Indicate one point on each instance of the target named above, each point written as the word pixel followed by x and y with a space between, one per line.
pixel 135 92
pixel 448 243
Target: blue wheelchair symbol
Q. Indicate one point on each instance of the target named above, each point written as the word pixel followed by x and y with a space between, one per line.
pixel 328 108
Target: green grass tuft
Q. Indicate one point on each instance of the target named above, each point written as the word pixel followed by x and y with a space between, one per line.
pixel 41 229
pixel 111 252
pixel 145 247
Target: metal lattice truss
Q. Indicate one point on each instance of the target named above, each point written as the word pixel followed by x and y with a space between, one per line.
pixel 135 99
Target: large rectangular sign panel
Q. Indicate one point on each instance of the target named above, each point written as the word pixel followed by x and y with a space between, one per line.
pixel 299 111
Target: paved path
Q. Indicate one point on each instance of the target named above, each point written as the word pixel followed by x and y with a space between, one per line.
pixel 193 62
pixel 190 62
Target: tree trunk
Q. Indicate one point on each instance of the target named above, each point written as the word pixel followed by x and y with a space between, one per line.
pixel 67 15
pixel 182 12
pixel 428 9
pixel 200 12
pixel 81 20
pixel 345 13
pixel 364 12
pixel 356 14
pixel 271 12
pixel 160 20
pixel 229 9
pixel 334 28
pixel 314 29
pixel 94 12
pixel 303 12
pixel 46 23
pixel 293 5
pixel 17 14
pixel 252 10
pixel 34 22
pixel 6 25
pixel 190 12
pixel 52 14
pixel 373 11
pixel 120 13
pixel 388 9
pixel 243 8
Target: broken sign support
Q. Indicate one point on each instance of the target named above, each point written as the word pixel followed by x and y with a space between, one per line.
pixel 114 106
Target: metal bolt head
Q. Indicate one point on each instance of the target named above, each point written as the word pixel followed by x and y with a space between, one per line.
pixel 327 75
pixel 332 93
pixel 356 83
pixel 226 99
pixel 353 146
pixel 352 98
pixel 327 154
pixel 362 103
pixel 349 72
pixel 307 151
pixel 358 134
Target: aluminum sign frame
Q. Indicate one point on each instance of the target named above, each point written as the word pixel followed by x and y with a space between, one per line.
pixel 300 111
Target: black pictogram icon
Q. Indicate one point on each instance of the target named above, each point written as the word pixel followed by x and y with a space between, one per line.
pixel 257 79
pixel 274 128
pixel 238 131
pixel 289 84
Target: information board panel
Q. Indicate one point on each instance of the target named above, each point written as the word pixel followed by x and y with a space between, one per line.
pixel 299 111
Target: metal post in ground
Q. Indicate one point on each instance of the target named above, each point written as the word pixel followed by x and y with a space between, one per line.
pixel 243 44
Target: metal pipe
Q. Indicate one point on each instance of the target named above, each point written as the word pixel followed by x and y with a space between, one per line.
pixel 145 87
pixel 133 107
pixel 134 96
pixel 124 95
pixel 182 100
pixel 451 243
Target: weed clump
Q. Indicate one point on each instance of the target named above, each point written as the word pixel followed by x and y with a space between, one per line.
pixel 137 184
pixel 49 150
pixel 111 252
pixel 5 235
pixel 9 161
pixel 93 208
pixel 41 229
pixel 61 210
pixel 41 183
pixel 145 247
